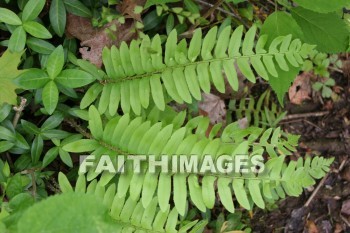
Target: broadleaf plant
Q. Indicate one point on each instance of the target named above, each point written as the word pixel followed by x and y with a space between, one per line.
pixel 25 25
pixel 8 65
pixel 53 75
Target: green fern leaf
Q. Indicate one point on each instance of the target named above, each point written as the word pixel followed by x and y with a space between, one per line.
pixel 140 71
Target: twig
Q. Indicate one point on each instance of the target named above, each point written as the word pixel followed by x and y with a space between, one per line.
pixel 238 17
pixel 32 171
pixel 345 220
pixel 335 69
pixel 342 165
pixel 218 8
pixel 322 183
pixel 310 123
pixel 316 191
pixel 208 13
pixel 19 109
pixel 305 115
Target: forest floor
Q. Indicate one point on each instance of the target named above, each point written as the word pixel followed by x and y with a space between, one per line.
pixel 324 126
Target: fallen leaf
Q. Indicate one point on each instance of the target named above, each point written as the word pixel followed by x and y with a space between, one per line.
pixel 345 173
pixel 301 89
pixel 243 123
pixel 345 208
pixel 213 107
pixel 328 105
pixel 338 228
pixel 337 89
pixel 127 8
pixel 311 227
pixel 93 40
pixel 8 66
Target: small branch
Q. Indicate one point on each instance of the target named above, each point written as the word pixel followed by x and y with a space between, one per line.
pixel 31 172
pixel 305 115
pixel 218 8
pixel 316 191
pixel 334 146
pixel 322 183
pixel 335 69
pixel 345 220
pixel 213 8
pixel 208 13
pixel 19 109
pixel 342 165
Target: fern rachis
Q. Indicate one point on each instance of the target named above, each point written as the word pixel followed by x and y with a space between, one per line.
pixel 135 73
pixel 136 136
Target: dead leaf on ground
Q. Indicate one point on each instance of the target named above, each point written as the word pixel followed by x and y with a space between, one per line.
pixel 338 228
pixel 311 227
pixel 243 123
pixel 93 40
pixel 127 8
pixel 345 173
pixel 301 89
pixel 345 209
pixel 213 107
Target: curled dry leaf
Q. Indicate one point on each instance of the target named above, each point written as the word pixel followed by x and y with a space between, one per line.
pixel 213 107
pixel 311 227
pixel 93 40
pixel 127 8
pixel 345 209
pixel 243 123
pixel 301 89
pixel 345 173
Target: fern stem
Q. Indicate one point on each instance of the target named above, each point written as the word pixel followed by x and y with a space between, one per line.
pixel 110 80
pixel 218 175
pixel 78 128
pixel 129 224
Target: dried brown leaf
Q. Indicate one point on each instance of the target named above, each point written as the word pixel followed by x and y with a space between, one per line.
pixel 311 227
pixel 301 89
pixel 213 107
pixel 127 8
pixel 345 173
pixel 93 40
pixel 345 209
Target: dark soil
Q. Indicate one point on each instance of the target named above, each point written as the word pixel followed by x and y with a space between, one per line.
pixel 328 135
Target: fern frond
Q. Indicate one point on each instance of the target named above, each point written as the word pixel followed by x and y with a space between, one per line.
pixel 260 113
pixel 126 136
pixel 271 140
pixel 140 72
pixel 130 215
